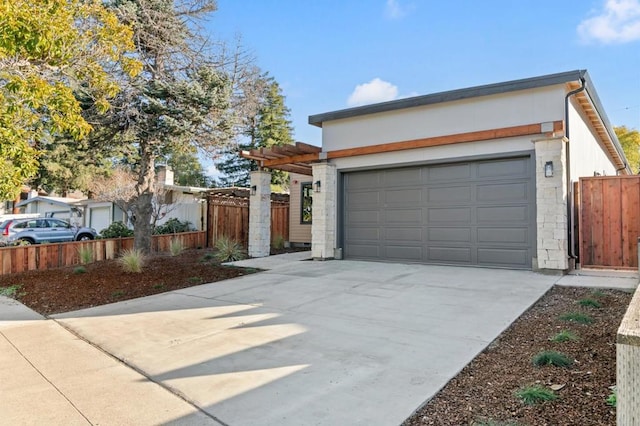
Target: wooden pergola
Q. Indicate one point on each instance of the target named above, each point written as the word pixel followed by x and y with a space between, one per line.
pixel 290 158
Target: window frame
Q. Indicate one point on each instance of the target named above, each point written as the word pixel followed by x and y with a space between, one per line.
pixel 303 186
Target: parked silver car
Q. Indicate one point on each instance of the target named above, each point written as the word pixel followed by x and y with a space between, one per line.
pixel 38 231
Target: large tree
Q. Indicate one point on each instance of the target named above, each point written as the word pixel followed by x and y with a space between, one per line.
pixel 186 97
pixel 630 141
pixel 187 169
pixel 269 126
pixel 50 50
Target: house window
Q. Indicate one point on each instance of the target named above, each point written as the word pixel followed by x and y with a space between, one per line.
pixel 306 203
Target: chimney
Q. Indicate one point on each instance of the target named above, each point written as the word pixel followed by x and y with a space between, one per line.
pixel 165 175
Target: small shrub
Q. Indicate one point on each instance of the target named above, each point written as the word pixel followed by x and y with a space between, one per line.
pixel 85 254
pixel 278 242
pixel 173 226
pixel 195 280
pixel 551 358
pixel 228 250
pixel 176 247
pixel 10 291
pixel 590 303
pixel 116 230
pixel 564 336
pixel 79 270
pixel 117 294
pixel 612 399
pixel 207 257
pixel 532 395
pixel 158 286
pixel 131 261
pixel 577 317
pixel 597 293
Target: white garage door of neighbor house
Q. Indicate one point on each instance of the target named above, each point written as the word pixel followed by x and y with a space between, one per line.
pixel 99 218
pixel 478 213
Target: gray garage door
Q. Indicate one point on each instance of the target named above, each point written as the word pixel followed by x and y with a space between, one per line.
pixel 472 213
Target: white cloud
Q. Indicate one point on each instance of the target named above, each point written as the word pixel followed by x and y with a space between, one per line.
pixel 618 22
pixel 376 90
pixel 394 10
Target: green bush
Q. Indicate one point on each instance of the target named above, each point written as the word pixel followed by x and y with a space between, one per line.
pixel 577 317
pixel 551 358
pixel 612 399
pixel 564 336
pixel 131 260
pixel 532 395
pixel 590 303
pixel 85 254
pixel 173 226
pixel 116 230
pixel 79 270
pixel 176 247
pixel 228 250
pixel 278 242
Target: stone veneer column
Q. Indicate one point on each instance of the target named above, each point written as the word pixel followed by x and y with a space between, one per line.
pixel 551 205
pixel 260 214
pixel 323 220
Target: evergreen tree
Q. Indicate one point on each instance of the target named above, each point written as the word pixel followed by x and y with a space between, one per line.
pixel 187 170
pixel 270 126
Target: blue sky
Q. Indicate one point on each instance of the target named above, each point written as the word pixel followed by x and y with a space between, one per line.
pixel 332 54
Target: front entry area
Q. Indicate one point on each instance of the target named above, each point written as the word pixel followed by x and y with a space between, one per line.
pixel 479 213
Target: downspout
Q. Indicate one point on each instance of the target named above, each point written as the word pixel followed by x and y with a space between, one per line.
pixel 570 206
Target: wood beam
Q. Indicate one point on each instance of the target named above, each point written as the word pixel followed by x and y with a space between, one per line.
pixel 483 135
pixel 302 158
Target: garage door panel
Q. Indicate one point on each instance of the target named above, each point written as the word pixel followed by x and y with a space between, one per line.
pixel 449 194
pixel 412 234
pixel 449 215
pixel 450 254
pixel 403 253
pixel 468 213
pixel 402 177
pixel 506 257
pixel 364 199
pixel 503 193
pixel 364 233
pixel 503 214
pixel 450 235
pixel 404 197
pixel 404 217
pixel 517 167
pixel 447 173
pixel 503 235
pixel 364 217
pixel 363 251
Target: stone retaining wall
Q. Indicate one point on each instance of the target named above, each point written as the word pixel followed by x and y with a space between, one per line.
pixel 628 365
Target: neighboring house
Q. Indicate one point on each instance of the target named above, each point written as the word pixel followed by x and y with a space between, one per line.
pixel 186 203
pixel 480 176
pixel 58 207
pixel 100 214
pixel 300 205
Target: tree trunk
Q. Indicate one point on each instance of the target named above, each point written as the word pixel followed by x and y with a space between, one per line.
pixel 143 207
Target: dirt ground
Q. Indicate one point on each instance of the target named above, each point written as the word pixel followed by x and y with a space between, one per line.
pixel 484 391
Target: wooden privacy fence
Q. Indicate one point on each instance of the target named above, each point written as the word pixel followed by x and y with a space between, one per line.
pixel 609 221
pixel 229 216
pixel 46 256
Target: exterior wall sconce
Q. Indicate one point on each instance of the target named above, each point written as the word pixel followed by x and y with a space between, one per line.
pixel 254 189
pixel 548 169
pixel 317 186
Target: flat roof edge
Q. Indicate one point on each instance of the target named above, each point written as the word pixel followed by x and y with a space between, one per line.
pixel 451 95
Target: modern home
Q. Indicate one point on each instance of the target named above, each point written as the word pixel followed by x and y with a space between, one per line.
pixel 481 176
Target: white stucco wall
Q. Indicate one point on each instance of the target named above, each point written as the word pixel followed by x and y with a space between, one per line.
pixel 422 155
pixel 587 155
pixel 468 115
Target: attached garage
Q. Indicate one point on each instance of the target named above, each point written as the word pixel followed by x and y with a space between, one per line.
pixel 481 176
pixel 478 213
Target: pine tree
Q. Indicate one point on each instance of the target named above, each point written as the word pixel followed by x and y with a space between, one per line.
pixel 270 126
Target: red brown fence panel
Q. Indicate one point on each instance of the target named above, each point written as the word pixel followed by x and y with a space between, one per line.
pixel 46 256
pixel 609 221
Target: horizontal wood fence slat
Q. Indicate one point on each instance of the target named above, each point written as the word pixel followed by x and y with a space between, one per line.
pixel 47 256
pixel 609 222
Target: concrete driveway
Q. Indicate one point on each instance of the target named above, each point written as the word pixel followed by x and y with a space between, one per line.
pixel 314 343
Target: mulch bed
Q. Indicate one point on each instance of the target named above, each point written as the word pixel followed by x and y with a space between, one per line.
pixel 484 391
pixel 62 289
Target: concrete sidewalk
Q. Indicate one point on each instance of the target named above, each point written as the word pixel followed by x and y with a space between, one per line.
pixel 48 376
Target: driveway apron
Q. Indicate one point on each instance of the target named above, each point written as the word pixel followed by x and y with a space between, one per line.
pixel 314 343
